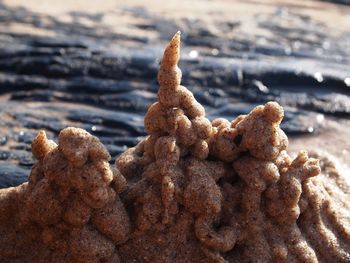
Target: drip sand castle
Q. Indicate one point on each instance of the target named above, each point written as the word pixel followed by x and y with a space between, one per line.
pixel 193 190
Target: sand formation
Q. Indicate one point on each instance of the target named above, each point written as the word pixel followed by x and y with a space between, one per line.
pixel 194 190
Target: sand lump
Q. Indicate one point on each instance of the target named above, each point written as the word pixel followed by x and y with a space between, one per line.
pixel 193 190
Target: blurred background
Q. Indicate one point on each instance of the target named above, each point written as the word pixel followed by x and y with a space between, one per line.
pixel 93 64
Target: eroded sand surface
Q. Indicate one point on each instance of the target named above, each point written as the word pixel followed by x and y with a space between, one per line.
pixel 193 190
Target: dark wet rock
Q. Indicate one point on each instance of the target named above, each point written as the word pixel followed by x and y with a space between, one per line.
pixel 93 78
pixel 12 174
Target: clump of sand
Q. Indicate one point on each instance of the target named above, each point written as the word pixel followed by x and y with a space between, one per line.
pixel 194 190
